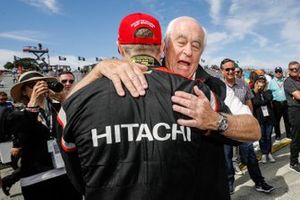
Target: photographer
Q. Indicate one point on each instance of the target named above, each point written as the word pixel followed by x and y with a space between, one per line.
pixel 42 173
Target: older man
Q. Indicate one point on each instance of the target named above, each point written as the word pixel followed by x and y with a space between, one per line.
pixel 185 42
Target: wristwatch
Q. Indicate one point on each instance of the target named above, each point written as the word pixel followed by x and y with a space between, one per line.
pixel 222 123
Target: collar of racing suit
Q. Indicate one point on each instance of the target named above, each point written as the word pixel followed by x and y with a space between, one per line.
pixel 149 61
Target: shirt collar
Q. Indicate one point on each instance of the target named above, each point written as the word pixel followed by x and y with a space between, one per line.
pixel 279 80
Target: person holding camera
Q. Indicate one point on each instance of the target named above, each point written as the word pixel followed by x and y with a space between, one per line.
pixel 42 173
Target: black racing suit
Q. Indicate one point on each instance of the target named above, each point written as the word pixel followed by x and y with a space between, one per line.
pixel 132 148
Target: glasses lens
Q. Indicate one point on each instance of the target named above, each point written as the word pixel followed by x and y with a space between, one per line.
pixel 229 69
pixel 65 81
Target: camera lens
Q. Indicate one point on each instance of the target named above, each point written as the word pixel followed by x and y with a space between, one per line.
pixel 55 86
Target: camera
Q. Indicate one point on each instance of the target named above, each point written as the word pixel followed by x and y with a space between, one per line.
pixel 55 86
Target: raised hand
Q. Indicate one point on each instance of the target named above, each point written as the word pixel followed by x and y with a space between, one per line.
pixel 39 90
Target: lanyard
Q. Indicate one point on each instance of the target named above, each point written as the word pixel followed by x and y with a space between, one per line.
pixel 279 84
pixel 46 116
pixel 262 96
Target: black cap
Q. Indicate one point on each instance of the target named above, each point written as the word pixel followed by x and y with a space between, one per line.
pixel 278 69
pixel 260 77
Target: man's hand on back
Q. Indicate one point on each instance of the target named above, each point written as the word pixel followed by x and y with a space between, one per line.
pixel 129 73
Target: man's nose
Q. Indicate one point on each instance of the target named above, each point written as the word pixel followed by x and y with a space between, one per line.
pixel 188 49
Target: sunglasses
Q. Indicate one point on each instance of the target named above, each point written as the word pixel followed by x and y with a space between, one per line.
pixel 278 72
pixel 229 69
pixel 237 72
pixel 294 69
pixel 65 81
pixel 3 99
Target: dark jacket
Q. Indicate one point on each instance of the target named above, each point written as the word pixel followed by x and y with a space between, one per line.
pixel 32 136
pixel 132 148
pixel 263 99
pixel 214 184
pixel 5 108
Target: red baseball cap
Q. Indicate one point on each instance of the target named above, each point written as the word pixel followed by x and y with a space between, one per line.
pixel 131 23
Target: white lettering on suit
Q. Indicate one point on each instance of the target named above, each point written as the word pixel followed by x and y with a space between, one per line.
pixel 143 133
pixel 155 132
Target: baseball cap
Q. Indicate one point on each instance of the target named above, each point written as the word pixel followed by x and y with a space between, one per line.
pixel 278 69
pixel 260 77
pixel 133 22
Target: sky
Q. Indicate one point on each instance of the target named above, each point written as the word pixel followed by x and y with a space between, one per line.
pixel 256 33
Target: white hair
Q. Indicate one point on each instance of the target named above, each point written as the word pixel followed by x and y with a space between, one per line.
pixel 170 28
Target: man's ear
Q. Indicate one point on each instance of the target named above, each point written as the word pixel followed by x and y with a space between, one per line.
pixel 162 49
pixel 120 49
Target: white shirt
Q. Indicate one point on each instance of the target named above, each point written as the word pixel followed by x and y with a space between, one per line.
pixel 234 104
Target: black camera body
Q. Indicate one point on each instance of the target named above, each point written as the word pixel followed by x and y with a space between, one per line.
pixel 55 86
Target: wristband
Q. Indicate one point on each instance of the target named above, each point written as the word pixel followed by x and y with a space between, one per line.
pixel 33 109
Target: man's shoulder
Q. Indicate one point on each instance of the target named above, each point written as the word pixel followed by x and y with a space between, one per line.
pixel 272 82
pixel 96 87
pixel 288 81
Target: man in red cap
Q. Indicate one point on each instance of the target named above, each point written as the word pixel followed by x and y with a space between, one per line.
pixel 133 148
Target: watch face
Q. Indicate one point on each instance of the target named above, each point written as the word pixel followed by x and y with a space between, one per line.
pixel 223 123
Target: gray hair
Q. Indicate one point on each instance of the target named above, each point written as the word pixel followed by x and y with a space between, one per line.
pixel 170 28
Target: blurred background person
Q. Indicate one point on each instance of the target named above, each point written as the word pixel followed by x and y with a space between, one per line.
pixel 251 79
pixel 66 78
pixel 279 104
pixel 292 92
pixel 262 110
pixel 5 106
pixel 239 72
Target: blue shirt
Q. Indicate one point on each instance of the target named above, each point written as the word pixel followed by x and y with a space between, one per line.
pixel 276 86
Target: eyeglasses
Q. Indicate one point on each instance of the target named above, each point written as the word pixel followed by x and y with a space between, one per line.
pixel 229 69
pixel 237 72
pixel 294 69
pixel 3 99
pixel 278 72
pixel 66 80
